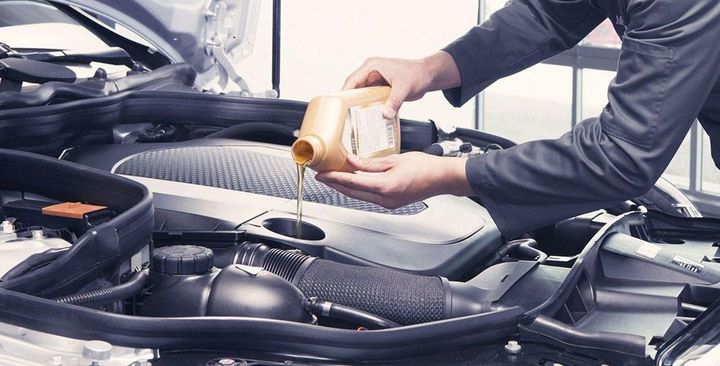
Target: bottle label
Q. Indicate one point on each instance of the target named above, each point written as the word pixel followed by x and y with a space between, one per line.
pixel 367 133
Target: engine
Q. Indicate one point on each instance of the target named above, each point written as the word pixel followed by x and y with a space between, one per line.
pixel 223 185
pixel 91 239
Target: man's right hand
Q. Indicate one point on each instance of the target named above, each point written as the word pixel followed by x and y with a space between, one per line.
pixel 409 79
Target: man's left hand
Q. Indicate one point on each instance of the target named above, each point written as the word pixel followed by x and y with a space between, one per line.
pixel 398 180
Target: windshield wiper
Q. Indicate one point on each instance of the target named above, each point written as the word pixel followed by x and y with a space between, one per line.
pixel 5 50
pixel 15 71
pixel 111 56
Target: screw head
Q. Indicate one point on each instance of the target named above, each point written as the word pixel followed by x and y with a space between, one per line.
pixel 513 347
pixel 7 227
pixel 38 234
pixel 97 350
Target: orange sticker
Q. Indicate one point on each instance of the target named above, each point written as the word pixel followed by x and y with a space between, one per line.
pixel 72 210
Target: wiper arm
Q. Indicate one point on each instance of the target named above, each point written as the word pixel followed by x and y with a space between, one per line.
pixel 5 50
pixel 15 71
pixel 111 56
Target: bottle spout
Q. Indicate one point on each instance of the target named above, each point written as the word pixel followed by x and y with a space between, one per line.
pixel 307 150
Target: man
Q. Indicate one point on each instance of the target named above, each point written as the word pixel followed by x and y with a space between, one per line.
pixel 667 76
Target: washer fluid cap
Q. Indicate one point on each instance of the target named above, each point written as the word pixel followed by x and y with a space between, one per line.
pixel 182 260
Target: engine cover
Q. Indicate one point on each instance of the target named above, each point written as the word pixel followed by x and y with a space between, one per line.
pixel 252 187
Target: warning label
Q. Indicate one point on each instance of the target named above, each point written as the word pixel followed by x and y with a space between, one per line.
pixel 367 132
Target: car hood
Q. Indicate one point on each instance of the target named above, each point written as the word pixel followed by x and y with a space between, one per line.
pixel 212 36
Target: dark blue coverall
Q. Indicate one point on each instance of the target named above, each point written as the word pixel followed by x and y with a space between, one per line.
pixel 668 75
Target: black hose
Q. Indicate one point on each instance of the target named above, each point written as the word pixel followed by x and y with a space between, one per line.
pixel 401 297
pixel 527 248
pixel 33 262
pixel 257 130
pixel 98 298
pixel 500 253
pixel 434 149
pixel 492 146
pixel 286 264
pixel 361 318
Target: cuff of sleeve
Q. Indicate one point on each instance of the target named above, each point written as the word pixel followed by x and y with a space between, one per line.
pixel 476 169
pixel 468 74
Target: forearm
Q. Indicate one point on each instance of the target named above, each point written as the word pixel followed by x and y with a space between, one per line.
pixel 449 176
pixel 665 74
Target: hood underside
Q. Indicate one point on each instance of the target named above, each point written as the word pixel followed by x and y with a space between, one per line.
pixel 212 36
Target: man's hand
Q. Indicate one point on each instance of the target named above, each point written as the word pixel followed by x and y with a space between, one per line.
pixel 399 180
pixel 409 79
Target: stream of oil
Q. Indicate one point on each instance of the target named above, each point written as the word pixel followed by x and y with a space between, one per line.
pixel 300 179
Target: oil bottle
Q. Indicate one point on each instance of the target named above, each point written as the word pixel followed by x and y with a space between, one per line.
pixel 335 125
pixel 350 121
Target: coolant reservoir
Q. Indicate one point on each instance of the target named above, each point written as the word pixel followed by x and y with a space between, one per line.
pixel 346 122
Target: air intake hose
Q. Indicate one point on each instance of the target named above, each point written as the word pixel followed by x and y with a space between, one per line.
pixel 397 296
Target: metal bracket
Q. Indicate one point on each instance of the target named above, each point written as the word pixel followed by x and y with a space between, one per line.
pixel 215 46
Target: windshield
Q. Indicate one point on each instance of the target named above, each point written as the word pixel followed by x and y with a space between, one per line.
pixel 38 25
pixel 22 12
pixel 28 26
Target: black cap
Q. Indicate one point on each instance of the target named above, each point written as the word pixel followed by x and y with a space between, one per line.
pixel 182 260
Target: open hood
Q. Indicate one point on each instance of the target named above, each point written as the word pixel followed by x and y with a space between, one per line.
pixel 212 36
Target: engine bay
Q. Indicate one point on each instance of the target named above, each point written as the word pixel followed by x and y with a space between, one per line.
pixel 164 229
pixel 213 252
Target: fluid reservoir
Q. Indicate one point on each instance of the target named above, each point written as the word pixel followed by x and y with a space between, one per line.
pixel 350 121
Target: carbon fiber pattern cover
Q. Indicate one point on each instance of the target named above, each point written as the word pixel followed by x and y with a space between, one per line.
pixel 398 296
pixel 242 170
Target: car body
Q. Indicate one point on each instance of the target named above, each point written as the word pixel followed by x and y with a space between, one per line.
pixel 175 163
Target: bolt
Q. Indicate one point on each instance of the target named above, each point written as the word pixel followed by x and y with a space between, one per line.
pixel 7 227
pixel 38 234
pixel 513 347
pixel 97 350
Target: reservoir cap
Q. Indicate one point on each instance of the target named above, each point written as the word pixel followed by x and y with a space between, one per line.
pixel 182 260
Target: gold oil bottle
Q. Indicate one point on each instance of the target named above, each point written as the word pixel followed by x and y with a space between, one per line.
pixel 346 122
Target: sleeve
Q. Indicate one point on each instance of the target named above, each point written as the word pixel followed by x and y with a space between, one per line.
pixel 515 37
pixel 669 60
